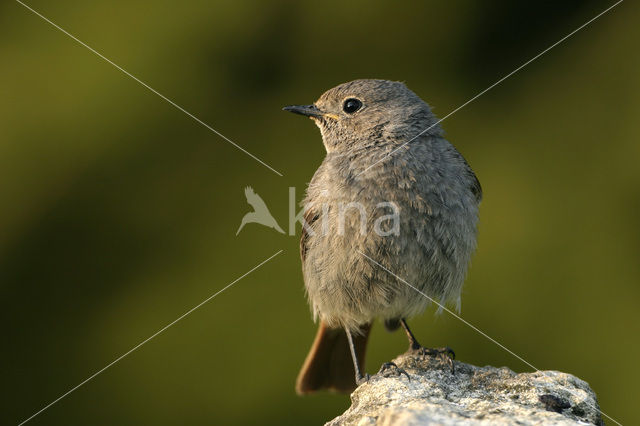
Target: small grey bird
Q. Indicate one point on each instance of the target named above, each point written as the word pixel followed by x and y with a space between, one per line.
pixel 383 145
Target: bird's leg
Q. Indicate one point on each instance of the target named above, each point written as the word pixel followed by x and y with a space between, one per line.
pixel 445 354
pixel 413 342
pixel 360 379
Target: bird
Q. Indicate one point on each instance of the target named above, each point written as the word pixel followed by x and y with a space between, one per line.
pixel 383 145
pixel 261 213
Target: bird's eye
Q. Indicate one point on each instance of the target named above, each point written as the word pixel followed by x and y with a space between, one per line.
pixel 351 105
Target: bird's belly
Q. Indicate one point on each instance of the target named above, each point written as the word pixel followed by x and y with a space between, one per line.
pixel 353 277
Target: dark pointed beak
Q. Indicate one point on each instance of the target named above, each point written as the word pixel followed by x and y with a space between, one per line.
pixel 306 110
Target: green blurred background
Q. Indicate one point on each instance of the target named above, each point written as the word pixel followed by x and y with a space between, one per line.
pixel 119 212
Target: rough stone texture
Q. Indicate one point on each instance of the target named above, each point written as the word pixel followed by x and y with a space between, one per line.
pixel 471 396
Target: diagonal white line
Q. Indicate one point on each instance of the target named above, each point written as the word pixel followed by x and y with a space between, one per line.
pixel 151 89
pixel 493 85
pixel 149 338
pixel 452 313
pixel 468 324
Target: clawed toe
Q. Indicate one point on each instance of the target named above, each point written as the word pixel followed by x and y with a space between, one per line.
pixel 441 353
pixel 390 368
pixel 445 355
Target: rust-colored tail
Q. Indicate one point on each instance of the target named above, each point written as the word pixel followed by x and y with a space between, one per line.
pixel 329 364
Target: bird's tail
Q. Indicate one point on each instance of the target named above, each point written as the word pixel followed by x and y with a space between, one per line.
pixel 329 364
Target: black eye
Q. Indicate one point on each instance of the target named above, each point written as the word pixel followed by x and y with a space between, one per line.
pixel 351 105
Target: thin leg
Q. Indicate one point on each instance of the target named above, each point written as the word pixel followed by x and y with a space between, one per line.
pixel 413 342
pixel 360 379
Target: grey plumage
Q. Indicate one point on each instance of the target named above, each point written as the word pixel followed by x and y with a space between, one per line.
pixel 434 188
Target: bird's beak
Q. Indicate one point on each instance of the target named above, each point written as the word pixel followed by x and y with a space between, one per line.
pixel 306 110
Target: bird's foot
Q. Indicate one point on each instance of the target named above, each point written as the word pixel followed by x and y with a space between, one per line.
pixel 445 355
pixel 391 369
pixel 362 379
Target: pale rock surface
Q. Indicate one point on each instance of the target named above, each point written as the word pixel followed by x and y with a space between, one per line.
pixel 471 396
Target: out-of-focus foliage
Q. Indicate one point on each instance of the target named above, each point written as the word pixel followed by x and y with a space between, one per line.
pixel 119 212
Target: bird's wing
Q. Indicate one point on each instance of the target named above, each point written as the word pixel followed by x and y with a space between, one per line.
pixel 254 199
pixel 475 187
pixel 309 218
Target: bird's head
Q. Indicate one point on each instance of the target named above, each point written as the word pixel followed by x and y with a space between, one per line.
pixel 365 113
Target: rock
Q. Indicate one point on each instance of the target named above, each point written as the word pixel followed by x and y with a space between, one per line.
pixel 470 396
